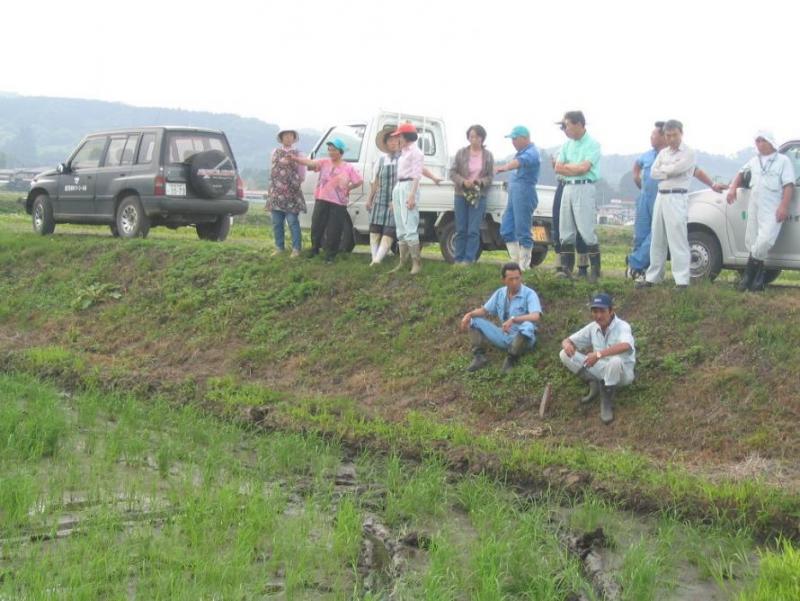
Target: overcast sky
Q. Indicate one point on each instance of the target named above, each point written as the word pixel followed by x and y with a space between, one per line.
pixel 726 69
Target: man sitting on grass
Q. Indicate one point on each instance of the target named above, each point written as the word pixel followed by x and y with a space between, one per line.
pixel 517 307
pixel 602 354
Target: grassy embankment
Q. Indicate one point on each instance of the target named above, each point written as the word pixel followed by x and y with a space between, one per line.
pixel 374 360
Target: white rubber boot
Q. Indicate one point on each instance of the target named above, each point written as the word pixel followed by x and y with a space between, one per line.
pixel 383 249
pixel 374 239
pixel 513 251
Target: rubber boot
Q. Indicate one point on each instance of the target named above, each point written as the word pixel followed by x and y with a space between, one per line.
pixel 525 258
pixel 404 256
pixel 513 251
pixel 748 275
pixel 583 266
pixel 594 385
pixel 594 263
pixel 759 279
pixel 478 341
pixel 383 250
pixel 518 347
pixel 567 261
pixel 416 258
pixel 374 240
pixel 607 403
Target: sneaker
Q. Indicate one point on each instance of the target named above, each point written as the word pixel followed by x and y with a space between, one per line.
pixel 643 284
pixel 478 362
pixel 637 276
pixel 295 253
pixel 277 252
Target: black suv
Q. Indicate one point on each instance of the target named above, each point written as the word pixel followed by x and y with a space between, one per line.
pixel 135 179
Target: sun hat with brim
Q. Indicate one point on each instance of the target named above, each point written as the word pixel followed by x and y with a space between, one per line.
pixel 288 131
pixel 520 131
pixel 337 144
pixel 768 136
pixel 601 301
pixel 387 130
pixel 405 128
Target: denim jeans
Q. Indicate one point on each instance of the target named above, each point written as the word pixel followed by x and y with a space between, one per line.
pixel 517 220
pixel 468 228
pixel 497 337
pixel 639 259
pixel 292 219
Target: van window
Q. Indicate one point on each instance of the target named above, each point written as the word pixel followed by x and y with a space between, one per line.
pixel 182 146
pixel 146 149
pixel 114 152
pixel 351 135
pixel 793 152
pixel 90 154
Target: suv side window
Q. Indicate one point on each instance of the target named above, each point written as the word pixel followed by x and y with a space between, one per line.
pixel 90 154
pixel 130 147
pixel 114 152
pixel 146 149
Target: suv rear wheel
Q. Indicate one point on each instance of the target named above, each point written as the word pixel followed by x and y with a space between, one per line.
pixel 216 231
pixel 42 215
pixel 131 220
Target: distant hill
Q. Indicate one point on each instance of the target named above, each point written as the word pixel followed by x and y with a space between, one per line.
pixel 42 131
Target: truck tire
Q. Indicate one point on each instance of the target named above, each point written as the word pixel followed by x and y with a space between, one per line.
pixel 447 239
pixel 216 231
pixel 131 220
pixel 211 173
pixel 705 256
pixel 42 215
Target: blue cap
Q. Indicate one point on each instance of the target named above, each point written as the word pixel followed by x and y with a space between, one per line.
pixel 520 131
pixel 601 301
pixel 337 144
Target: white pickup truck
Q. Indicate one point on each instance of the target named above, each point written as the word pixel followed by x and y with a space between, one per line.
pixel 436 222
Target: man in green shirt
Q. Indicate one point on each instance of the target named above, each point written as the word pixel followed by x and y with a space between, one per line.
pixel 578 165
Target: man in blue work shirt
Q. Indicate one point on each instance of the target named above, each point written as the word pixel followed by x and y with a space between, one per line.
pixel 515 227
pixel 518 310
pixel 639 259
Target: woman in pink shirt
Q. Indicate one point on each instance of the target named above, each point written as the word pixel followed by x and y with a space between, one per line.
pixel 336 178
pixel 472 173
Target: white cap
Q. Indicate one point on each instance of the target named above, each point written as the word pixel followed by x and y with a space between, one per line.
pixel 767 135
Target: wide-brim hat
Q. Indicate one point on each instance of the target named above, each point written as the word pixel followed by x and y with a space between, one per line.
pixel 288 131
pixel 767 135
pixel 379 138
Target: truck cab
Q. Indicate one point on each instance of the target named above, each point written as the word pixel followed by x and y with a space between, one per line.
pixel 437 220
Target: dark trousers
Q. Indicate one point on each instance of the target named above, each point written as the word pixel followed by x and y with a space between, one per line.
pixel 580 245
pixel 327 221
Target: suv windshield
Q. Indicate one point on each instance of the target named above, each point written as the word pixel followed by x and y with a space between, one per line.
pixel 351 135
pixel 183 145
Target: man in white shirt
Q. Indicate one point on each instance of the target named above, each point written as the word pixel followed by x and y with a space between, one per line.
pixel 602 354
pixel 772 180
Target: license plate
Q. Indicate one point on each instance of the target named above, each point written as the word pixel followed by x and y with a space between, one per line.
pixel 539 233
pixel 176 189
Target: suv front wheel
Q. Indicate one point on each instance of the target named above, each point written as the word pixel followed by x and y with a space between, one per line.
pixel 131 220
pixel 705 255
pixel 216 231
pixel 42 214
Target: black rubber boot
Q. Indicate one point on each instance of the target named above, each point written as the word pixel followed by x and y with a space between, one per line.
pixel 517 349
pixel 607 403
pixel 594 264
pixel 583 266
pixel 594 386
pixel 478 341
pixel 567 261
pixel 748 275
pixel 758 284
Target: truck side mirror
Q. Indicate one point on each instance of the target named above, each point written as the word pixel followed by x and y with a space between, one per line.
pixel 62 168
